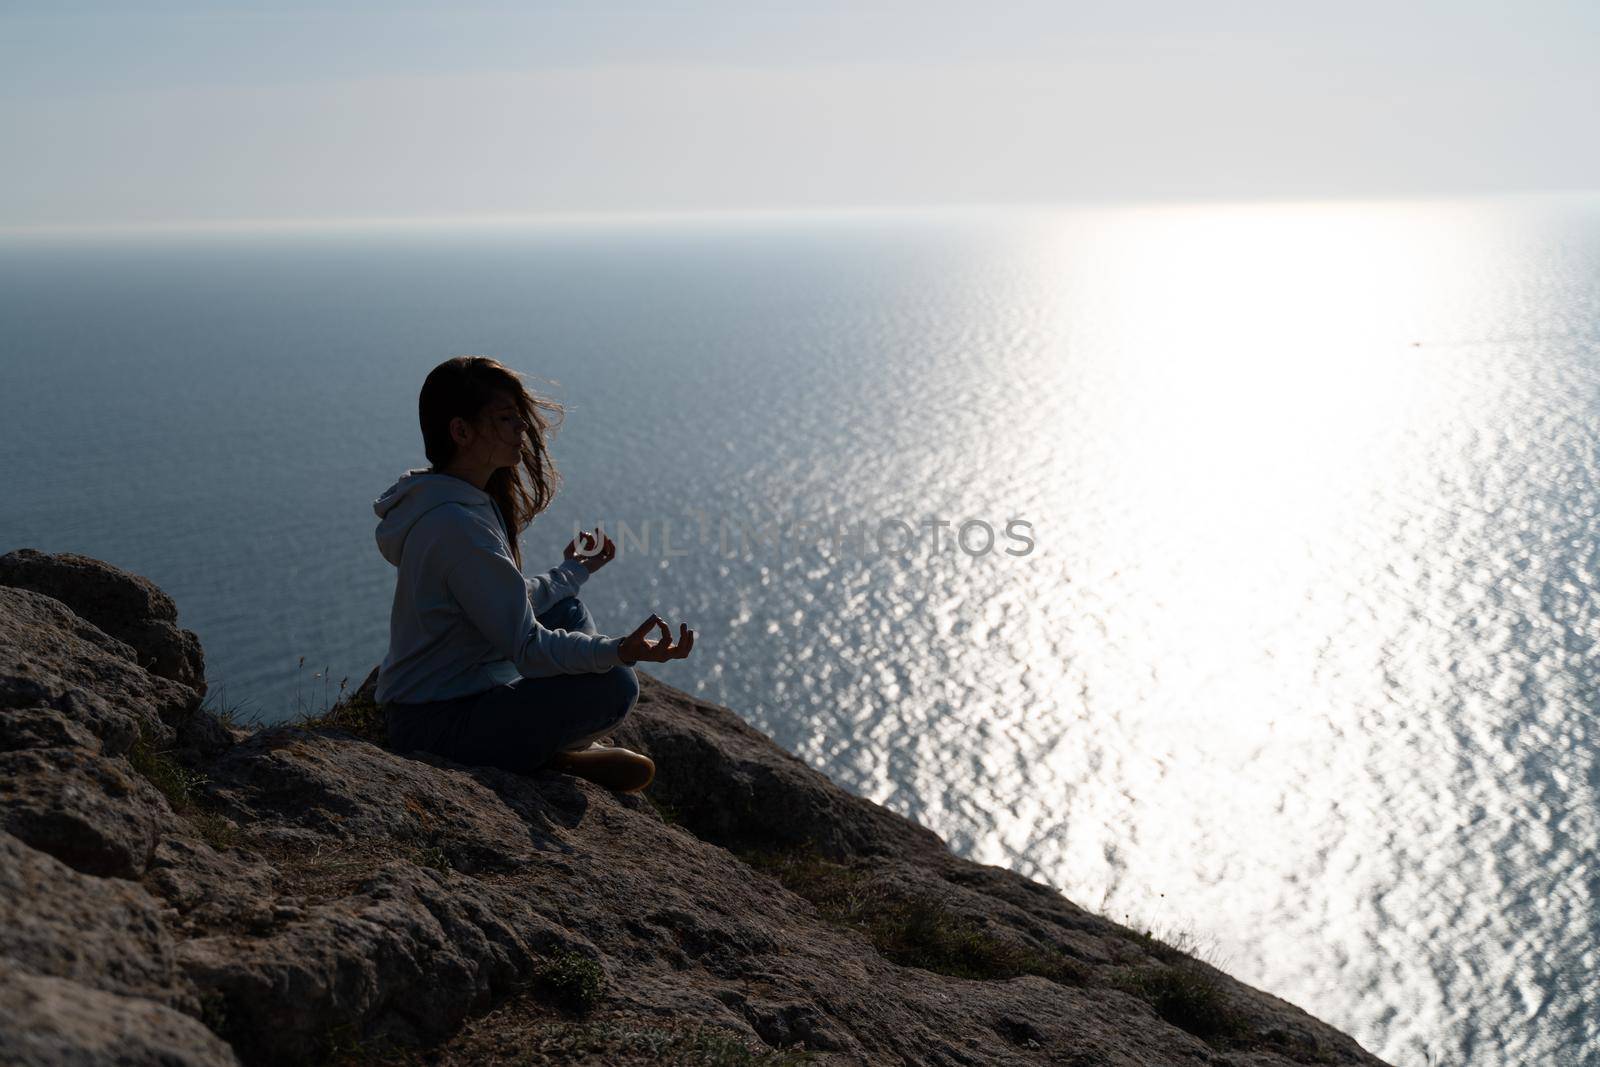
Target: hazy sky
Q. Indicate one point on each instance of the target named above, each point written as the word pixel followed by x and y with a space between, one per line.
pixel 186 112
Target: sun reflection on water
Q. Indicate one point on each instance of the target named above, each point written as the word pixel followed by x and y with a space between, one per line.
pixel 1271 460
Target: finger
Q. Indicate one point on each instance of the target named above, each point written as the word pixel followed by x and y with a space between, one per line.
pixel 686 641
pixel 646 626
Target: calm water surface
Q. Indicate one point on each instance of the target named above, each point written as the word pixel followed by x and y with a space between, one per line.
pixel 1297 658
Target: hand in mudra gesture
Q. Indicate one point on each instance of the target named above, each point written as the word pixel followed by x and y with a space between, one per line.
pixel 594 550
pixel 635 650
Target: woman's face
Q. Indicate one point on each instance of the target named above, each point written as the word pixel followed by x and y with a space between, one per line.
pixel 502 432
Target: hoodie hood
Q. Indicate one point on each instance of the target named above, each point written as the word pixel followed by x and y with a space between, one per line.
pixel 413 496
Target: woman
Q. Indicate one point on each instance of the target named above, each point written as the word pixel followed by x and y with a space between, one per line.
pixel 486 667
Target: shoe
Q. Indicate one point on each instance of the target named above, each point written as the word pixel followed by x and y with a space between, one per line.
pixel 615 768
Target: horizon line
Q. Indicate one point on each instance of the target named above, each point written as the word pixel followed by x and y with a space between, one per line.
pixel 301 224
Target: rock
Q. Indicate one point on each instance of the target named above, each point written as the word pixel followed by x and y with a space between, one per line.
pixel 92 813
pixel 209 890
pixel 49 657
pixel 126 606
pixel 200 736
pixel 309 888
pixel 406 949
pixel 43 728
pixel 104 933
pixel 736 787
pixel 354 791
pixel 51 1021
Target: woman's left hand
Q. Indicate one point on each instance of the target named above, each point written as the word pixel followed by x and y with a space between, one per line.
pixel 594 550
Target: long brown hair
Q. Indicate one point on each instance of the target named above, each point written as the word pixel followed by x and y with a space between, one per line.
pixel 462 387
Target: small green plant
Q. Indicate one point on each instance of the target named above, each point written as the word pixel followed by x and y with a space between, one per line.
pixel 218 832
pixel 344 1046
pixel 668 812
pixel 319 679
pixel 571 980
pixel 214 1012
pixel 1188 995
pixel 353 714
pixel 341 1042
pixel 1177 946
pixel 913 931
pixel 434 857
pixel 230 715
pixel 181 788
pixel 700 1046
pixel 175 781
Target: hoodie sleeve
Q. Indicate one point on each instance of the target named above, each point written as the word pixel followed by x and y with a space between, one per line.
pixel 493 594
pixel 547 589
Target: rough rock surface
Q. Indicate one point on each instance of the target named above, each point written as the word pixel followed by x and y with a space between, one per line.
pixel 50 1021
pixel 299 893
pixel 52 658
pixel 126 606
pixel 93 813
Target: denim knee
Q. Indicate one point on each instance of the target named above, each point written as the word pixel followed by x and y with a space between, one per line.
pixel 557 613
pixel 623 688
pixel 568 613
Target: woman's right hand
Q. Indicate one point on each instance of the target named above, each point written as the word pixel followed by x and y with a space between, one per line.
pixel 634 649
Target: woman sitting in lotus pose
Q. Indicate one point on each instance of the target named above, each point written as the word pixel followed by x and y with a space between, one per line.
pixel 485 666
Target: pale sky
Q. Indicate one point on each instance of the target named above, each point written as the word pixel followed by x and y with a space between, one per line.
pixel 185 113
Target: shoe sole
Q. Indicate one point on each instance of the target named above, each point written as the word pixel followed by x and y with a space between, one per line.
pixel 614 768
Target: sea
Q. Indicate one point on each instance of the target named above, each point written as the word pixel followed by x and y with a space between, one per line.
pixel 1232 568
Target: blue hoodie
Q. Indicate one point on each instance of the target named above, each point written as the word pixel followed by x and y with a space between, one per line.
pixel 464 615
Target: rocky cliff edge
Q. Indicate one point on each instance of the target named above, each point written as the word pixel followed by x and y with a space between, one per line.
pixel 180 888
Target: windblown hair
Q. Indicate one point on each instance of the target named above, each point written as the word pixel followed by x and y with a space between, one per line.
pixel 463 387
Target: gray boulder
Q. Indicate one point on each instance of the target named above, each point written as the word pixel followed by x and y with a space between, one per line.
pixel 127 606
pixel 52 658
pixel 91 812
pixel 51 1022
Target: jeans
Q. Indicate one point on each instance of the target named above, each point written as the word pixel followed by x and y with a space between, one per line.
pixel 520 726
